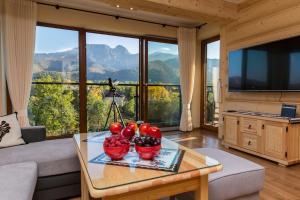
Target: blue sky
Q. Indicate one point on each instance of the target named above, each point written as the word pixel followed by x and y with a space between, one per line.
pixel 213 50
pixel 50 40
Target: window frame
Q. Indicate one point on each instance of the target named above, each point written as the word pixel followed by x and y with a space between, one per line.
pixel 141 84
pixel 204 44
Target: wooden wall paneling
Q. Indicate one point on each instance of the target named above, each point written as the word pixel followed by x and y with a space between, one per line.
pixel 257 9
pixel 223 77
pixel 262 22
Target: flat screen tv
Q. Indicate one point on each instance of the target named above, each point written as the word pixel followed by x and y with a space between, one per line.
pixel 273 66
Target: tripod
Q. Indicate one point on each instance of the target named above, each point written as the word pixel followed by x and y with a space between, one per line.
pixel 114 108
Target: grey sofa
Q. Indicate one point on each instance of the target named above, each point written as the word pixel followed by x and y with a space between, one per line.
pixel 57 164
pixel 240 179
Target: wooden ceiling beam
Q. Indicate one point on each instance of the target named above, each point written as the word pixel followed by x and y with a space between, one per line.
pixel 212 11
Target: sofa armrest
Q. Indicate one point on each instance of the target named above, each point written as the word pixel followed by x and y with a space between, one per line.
pixel 33 134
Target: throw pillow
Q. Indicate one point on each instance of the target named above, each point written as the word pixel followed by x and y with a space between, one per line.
pixel 10 131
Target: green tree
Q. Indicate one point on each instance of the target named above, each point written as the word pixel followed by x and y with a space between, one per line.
pixel 52 105
pixel 163 105
pixel 97 108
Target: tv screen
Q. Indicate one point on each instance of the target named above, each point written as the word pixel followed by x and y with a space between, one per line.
pixel 273 66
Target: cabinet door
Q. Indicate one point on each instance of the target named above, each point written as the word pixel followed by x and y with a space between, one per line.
pixel 231 130
pixel 275 140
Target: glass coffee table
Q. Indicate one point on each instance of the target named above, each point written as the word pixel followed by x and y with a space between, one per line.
pixel 110 182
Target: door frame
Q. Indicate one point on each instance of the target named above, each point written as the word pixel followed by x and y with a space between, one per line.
pixel 203 82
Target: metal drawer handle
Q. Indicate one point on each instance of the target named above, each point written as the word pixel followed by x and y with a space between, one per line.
pixel 249 127
pixel 249 143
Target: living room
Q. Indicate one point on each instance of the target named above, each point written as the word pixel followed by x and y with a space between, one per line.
pixel 149 99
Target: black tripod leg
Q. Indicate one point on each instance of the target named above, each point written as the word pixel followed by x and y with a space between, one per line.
pixel 115 112
pixel 117 107
pixel 111 105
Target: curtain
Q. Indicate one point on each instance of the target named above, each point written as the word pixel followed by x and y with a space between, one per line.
pixel 2 76
pixel 187 56
pixel 19 38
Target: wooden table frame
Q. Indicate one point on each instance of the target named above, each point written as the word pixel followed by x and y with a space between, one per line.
pixel 198 185
pixel 193 181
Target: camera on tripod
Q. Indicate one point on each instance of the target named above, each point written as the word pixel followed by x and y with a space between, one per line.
pixel 112 85
pixel 114 108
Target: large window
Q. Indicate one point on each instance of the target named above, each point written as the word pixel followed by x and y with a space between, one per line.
pixel 211 67
pixel 70 72
pixel 163 91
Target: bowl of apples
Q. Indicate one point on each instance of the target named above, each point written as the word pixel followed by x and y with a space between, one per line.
pixel 116 147
pixel 147 146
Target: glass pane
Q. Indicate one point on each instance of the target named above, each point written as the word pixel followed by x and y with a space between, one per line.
pixel 164 105
pixel 112 57
pixel 163 63
pixel 56 60
pixel 56 54
pixel 212 81
pixel 98 106
pixel 55 106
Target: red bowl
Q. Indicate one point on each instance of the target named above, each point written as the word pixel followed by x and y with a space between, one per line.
pixel 116 153
pixel 147 153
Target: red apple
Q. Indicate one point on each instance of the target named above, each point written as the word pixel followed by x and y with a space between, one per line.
pixel 144 128
pixel 115 128
pixel 154 132
pixel 128 133
pixel 133 126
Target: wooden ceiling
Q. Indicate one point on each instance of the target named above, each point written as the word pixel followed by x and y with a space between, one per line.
pixel 176 12
pixel 237 1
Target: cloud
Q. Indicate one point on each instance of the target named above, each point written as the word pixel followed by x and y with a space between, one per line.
pixel 165 49
pixel 65 49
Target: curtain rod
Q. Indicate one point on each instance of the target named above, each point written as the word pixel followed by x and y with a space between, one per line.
pixel 115 16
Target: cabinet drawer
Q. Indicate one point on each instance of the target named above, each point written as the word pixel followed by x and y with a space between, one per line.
pixel 250 142
pixel 249 125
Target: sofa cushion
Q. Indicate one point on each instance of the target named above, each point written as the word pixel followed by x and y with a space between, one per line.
pixel 18 180
pixel 10 131
pixel 53 157
pixel 239 177
pixel 243 176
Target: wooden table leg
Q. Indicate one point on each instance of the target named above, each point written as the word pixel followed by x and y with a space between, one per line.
pixel 84 188
pixel 202 192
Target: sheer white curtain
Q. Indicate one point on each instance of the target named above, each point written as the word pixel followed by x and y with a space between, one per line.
pixel 187 56
pixel 18 39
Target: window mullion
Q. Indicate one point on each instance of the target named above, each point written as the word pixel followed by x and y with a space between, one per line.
pixel 82 82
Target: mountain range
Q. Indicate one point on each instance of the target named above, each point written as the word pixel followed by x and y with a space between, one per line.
pixel 104 61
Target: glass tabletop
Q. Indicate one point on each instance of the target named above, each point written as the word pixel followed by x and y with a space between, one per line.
pixel 105 176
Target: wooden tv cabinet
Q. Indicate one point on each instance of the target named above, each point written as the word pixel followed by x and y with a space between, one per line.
pixel 265 135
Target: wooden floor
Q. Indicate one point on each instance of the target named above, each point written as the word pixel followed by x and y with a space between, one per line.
pixel 280 182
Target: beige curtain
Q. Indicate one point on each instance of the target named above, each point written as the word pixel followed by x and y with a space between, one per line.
pixel 2 76
pixel 19 37
pixel 187 56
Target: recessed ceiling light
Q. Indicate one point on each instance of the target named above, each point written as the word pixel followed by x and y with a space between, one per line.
pixel 118 6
